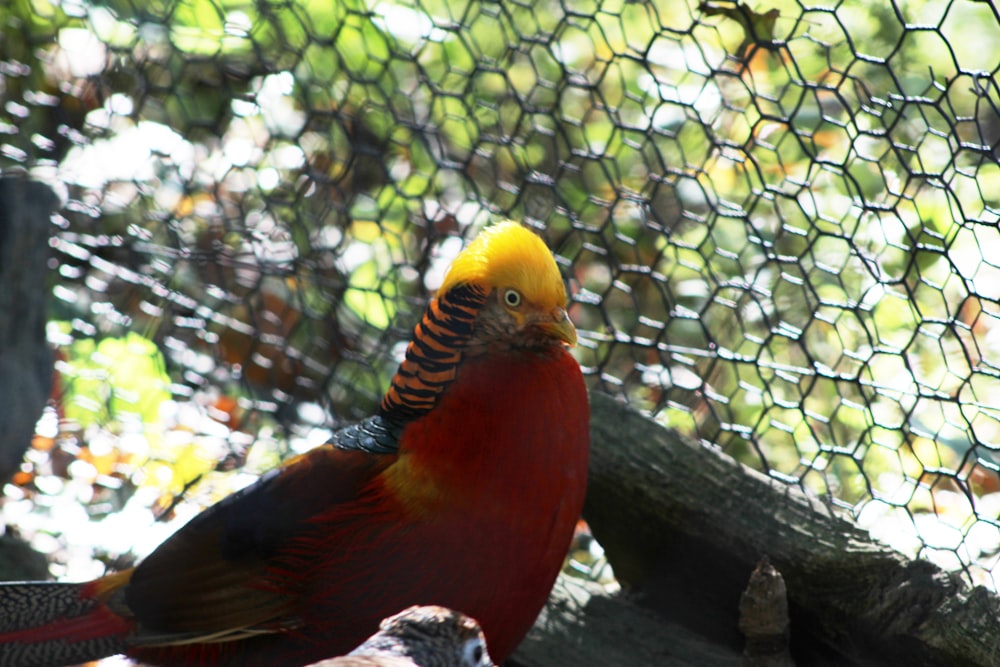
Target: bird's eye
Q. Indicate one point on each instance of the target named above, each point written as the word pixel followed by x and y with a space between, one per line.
pixel 512 298
pixel 473 652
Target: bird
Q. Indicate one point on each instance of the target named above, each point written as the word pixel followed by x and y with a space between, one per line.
pixel 427 636
pixel 461 490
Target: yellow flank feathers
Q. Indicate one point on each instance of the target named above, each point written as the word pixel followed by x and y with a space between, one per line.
pixel 508 255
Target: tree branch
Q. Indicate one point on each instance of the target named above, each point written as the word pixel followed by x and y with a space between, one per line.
pixel 684 526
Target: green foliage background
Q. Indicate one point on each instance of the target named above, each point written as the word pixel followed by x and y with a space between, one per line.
pixel 778 221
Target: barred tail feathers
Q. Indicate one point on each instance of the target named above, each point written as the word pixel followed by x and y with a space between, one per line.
pixel 45 624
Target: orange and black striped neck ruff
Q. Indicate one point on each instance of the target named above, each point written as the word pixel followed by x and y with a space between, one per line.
pixel 432 357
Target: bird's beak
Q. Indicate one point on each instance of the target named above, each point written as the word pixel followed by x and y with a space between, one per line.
pixel 558 325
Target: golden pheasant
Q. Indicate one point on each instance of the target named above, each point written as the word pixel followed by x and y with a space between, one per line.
pixel 462 490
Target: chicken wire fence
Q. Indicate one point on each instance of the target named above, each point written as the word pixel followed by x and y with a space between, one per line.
pixel 779 224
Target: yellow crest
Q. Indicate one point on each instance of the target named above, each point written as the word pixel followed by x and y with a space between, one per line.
pixel 510 255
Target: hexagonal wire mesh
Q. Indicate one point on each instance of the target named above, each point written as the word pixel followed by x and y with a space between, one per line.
pixel 779 225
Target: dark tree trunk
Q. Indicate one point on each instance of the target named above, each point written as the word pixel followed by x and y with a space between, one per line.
pixel 684 527
pixel 25 359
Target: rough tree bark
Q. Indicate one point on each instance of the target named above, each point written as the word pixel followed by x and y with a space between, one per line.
pixel 25 359
pixel 684 526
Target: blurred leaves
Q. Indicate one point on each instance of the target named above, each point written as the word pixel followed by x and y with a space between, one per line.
pixel 114 379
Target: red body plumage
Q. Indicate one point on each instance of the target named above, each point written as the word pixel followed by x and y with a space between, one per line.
pixel 465 535
pixel 474 510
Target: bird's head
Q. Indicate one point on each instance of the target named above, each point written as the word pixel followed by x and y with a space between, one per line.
pixel 429 636
pixel 526 302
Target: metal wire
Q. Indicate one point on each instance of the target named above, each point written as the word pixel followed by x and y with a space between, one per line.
pixel 779 222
